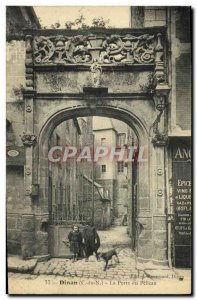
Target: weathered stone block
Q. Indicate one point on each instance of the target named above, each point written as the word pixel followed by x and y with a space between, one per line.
pixel 28 237
pixel 160 235
pixel 145 252
pixel 73 82
pixel 28 223
pixel 150 14
pixel 160 254
pixel 11 222
pixel 13 247
pixel 144 242
pixel 14 234
pixel 146 234
pixel 27 250
pixel 160 14
pixel 19 222
pixel 146 223
pixel 159 223
pixel 160 243
pixel 154 23
pixel 41 245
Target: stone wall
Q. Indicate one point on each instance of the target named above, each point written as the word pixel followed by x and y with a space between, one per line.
pixel 15 70
pixel 15 198
pixel 180 98
pixel 155 16
pixel 74 81
pixel 14 178
pixel 148 16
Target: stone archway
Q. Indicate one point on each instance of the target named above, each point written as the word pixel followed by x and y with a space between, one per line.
pixel 60 90
pixel 62 113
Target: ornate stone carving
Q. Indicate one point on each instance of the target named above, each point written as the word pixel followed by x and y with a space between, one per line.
pixel 28 109
pixel 28 191
pixel 170 218
pixel 28 139
pixel 27 171
pixel 150 85
pixel 158 138
pixel 29 63
pixel 96 70
pixel 159 193
pixel 159 172
pixel 86 49
pixel 159 69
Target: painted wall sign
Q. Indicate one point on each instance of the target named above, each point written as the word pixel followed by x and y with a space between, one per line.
pixel 182 203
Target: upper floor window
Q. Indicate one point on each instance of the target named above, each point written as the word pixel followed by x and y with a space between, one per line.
pixel 121 139
pixel 120 166
pixel 103 168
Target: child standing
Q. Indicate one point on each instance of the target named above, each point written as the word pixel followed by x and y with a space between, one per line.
pixel 75 239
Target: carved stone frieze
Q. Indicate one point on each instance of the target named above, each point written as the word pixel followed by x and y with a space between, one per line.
pixel 86 49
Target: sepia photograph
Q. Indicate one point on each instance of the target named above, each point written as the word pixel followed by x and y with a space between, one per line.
pixel 98 150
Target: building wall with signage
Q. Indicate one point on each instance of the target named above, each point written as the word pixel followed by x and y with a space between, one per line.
pixel 179 122
pixel 182 202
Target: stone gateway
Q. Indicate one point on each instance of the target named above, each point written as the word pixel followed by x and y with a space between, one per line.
pixel 133 75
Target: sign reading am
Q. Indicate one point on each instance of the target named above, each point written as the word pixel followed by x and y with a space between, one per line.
pixel 182 153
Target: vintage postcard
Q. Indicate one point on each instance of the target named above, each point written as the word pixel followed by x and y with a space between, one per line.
pixel 98 153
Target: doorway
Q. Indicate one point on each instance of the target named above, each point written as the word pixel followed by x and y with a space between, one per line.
pixel 103 188
pixel 49 190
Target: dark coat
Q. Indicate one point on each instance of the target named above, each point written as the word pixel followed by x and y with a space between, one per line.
pixel 91 240
pixel 75 239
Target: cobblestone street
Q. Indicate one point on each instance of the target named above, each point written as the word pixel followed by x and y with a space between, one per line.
pixel 115 236
pixel 59 275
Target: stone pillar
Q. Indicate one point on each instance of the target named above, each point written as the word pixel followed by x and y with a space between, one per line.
pixel 29 139
pixel 160 140
pixel 144 217
pixel 159 208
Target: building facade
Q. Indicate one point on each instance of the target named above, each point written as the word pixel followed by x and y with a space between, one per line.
pixel 139 75
pixel 114 175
